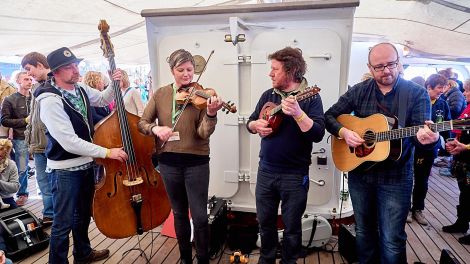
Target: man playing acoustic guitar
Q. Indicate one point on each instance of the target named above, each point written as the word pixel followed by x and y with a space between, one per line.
pixel 381 194
pixel 285 154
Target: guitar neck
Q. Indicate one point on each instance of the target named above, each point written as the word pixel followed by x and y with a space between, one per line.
pixel 411 131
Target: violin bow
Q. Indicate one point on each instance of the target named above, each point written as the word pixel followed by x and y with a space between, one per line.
pixel 186 102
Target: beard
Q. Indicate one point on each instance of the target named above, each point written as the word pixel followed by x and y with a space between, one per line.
pixel 72 80
pixel 386 80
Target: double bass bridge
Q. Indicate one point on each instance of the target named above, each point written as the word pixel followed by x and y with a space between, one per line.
pixel 134 182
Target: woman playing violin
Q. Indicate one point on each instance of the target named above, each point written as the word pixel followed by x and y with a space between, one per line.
pixel 183 153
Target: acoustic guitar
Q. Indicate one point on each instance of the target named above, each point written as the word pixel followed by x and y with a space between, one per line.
pixel 382 139
pixel 272 112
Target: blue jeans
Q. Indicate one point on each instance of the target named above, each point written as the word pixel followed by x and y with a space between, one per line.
pixel 11 202
pixel 380 211
pixel 72 193
pixel 21 159
pixel 189 185
pixel 44 184
pixel 271 188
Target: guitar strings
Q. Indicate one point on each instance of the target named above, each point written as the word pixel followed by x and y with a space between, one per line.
pixel 411 131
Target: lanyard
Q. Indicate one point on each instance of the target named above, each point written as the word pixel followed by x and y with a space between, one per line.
pixel 174 113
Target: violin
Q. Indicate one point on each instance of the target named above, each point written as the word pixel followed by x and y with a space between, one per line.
pixel 197 95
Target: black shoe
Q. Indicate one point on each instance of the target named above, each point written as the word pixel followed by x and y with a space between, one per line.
pixel 95 255
pixel 46 222
pixel 458 227
pixel 202 260
pixel 465 240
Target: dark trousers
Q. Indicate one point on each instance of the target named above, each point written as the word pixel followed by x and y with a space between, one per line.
pixel 461 170
pixel 422 169
pixel 72 194
pixel 188 188
pixel 271 188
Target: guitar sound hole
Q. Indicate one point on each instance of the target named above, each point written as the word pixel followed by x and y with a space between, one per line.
pixel 369 138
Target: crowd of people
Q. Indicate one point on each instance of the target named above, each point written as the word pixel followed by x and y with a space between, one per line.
pixel 52 114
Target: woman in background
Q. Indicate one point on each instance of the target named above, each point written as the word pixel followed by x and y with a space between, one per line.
pixel 96 80
pixel 132 98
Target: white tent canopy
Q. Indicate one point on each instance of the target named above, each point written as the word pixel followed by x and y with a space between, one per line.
pixel 430 28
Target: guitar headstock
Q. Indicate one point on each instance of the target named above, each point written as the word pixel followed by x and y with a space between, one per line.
pixel 308 92
pixel 106 46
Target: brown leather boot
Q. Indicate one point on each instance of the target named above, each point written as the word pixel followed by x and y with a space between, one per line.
pixel 95 255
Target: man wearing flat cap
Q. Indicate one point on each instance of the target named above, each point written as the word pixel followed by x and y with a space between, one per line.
pixel 64 107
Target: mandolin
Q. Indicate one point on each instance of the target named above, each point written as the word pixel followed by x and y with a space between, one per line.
pixel 272 112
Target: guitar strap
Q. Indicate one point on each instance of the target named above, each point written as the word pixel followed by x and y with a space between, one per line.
pixel 400 100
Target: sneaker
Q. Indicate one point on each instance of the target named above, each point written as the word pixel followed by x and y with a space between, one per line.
pixel 95 255
pixel 409 218
pixel 4 206
pixel 22 199
pixel 445 172
pixel 419 217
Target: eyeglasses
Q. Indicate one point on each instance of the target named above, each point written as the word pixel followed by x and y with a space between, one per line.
pixel 390 65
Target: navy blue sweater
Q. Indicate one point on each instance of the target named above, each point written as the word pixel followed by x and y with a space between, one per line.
pixel 289 149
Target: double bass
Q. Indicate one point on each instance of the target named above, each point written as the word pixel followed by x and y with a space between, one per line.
pixel 131 197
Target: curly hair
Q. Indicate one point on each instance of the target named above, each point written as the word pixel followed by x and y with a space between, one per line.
pixel 92 78
pixel 292 61
pixel 6 143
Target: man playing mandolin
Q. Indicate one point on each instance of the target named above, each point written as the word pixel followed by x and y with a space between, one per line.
pixel 381 194
pixel 285 154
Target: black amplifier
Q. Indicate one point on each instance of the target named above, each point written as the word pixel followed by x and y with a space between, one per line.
pixel 23 233
pixel 347 243
pixel 217 217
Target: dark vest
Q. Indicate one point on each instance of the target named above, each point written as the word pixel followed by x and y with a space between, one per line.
pixel 83 128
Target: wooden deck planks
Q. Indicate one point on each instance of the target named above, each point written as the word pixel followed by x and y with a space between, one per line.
pixel 424 243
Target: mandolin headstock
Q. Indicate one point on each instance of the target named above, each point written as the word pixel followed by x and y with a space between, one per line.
pixel 308 92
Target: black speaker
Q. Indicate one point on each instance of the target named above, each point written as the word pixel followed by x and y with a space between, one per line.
pixel 347 242
pixel 217 218
pixel 447 258
pixel 23 233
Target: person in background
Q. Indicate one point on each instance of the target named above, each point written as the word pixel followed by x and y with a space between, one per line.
pixel 15 115
pixel 453 95
pixel 9 185
pixel 381 194
pixel 366 76
pixel 285 155
pixel 96 80
pixel 9 182
pixel 132 99
pixel 419 80
pixel 5 90
pixel 460 149
pixel 183 154
pixel 64 108
pixel 37 67
pixel 424 158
